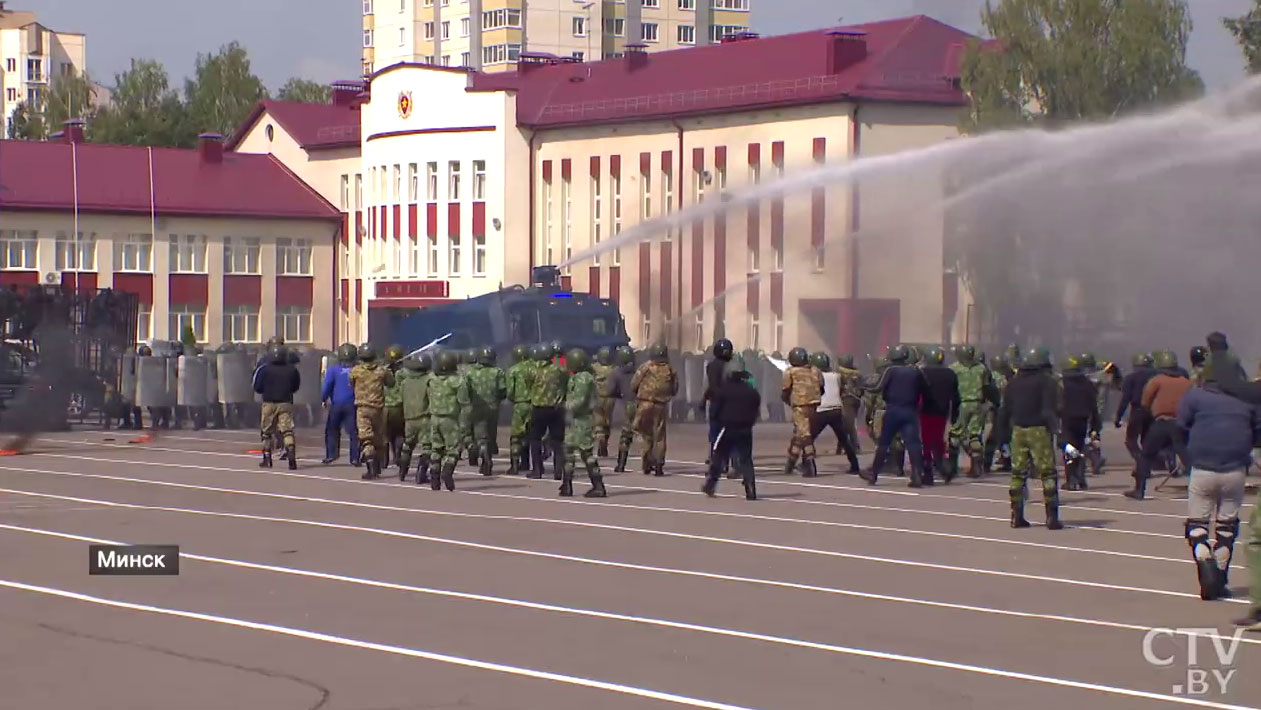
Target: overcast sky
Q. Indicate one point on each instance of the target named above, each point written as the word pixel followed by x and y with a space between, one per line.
pixel 320 39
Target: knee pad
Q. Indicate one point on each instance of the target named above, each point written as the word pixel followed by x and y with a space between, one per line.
pixel 1197 537
pixel 1227 532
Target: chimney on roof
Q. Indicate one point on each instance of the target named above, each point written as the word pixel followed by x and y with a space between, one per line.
pixel 636 56
pixel 345 92
pixel 210 146
pixel 845 49
pixel 72 131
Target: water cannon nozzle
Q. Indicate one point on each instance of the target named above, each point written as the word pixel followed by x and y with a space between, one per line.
pixel 545 276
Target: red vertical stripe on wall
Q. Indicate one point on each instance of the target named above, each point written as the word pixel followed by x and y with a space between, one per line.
pixel 777 153
pixel 615 282
pixel 777 223
pixel 698 159
pixel 595 166
pixel 188 289
pixel 645 162
pixel 381 223
pixel 615 165
pixel 720 157
pixel 667 278
pixel 755 226
pixel 295 291
pixel 566 169
pixel 413 220
pixel 667 161
pixel 720 253
pixel 818 213
pixel 398 221
pixel 139 284
pixel 242 290
pixel 645 278
pixel 593 281
pixel 31 278
pixel 479 218
pixel 752 297
pixel 567 283
pixel 820 150
pixel 431 219
pixel 777 293
pixel 755 153
pixel 453 219
pixel 77 281
pixel 345 294
pixel 345 227
pixel 359 227
pixel 698 262
pixel 547 170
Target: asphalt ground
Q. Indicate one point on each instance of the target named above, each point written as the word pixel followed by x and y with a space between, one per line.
pixel 314 589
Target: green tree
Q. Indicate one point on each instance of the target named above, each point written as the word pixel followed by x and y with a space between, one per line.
pixel 27 124
pixel 1247 31
pixel 188 338
pixel 306 91
pixel 223 90
pixel 70 96
pixel 1055 61
pixel 144 110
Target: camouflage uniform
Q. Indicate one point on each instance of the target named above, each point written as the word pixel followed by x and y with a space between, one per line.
pixel 655 383
pixel 369 381
pixel 416 413
pixel 968 431
pixel 618 387
pixel 851 402
pixel 520 382
pixel 603 415
pixel 395 423
pixel 802 389
pixel 448 396
pixel 998 440
pixel 1033 447
pixel 580 404
pixel 546 399
pixel 487 389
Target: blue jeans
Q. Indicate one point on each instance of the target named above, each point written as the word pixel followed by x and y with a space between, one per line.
pixel 341 417
pixel 904 421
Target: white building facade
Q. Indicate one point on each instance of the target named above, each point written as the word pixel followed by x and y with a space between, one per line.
pixel 31 58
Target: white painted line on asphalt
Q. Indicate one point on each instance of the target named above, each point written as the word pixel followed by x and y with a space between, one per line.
pixel 644 531
pixel 622 565
pixel 397 650
pixel 624 689
pixel 522 479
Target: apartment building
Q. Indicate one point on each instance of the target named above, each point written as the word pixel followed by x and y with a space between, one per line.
pixel 491 35
pixel 31 57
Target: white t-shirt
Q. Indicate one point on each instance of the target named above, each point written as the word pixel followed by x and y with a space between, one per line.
pixel 831 392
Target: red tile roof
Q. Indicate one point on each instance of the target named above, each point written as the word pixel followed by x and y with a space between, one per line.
pixel 313 126
pixel 115 179
pixel 913 59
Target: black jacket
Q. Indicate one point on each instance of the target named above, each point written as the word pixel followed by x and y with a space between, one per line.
pixel 943 392
pixel 1132 389
pixel 1078 400
pixel 713 378
pixel 1029 401
pixel 736 405
pixel 277 382
pixel 903 386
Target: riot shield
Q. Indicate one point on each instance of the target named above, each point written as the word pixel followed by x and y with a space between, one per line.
pixel 308 393
pixel 693 385
pixel 236 378
pixel 127 378
pixel 192 377
pixel 153 382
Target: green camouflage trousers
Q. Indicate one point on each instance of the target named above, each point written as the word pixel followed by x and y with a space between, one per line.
pixel 579 443
pixel 603 418
pixel 627 436
pixel 416 436
pixel 1031 447
pixel 1254 556
pixel 968 430
pixel 371 424
pixel 485 422
pixel 520 431
pixel 444 440
pixel 277 419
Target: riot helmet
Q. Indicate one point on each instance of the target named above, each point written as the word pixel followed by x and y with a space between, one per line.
pixel 723 349
pixel 798 357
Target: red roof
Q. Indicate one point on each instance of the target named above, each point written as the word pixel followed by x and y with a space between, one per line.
pixel 313 126
pixel 913 59
pixel 115 179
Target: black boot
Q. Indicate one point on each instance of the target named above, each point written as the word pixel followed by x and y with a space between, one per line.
pixel 422 470
pixel 448 476
pixel 567 482
pixel 789 465
pixel 472 456
pixel 812 468
pixel 597 484
pixel 917 475
pixel 622 455
pixel 512 461
pixel 487 466
pixel 372 464
pixel 536 461
pixel 710 487
pixel 659 470
pixel 603 448
pixel 873 473
pixel 1053 517
pixel 435 476
pixel 1018 515
pixel 1140 489
pixel 750 488
pixel 558 462
pixel 291 455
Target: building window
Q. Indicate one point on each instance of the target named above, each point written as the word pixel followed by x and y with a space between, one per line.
pixel 755 260
pixel 645 197
pixel 453 247
pixel 687 4
pixel 367 38
pixel 144 323
pixel 76 256
pixel 428 30
pixel 731 4
pixel 779 256
pixel 293 257
pixel 755 333
pixel 11 93
pixel 367 67
pixel 402 5
pixel 495 19
pixel 722 177
pixel 667 192
pixel 453 181
pixel 779 334
pixel 580 56
pixel 615 26
pixel 430 59
pixel 464 59
pixel 134 252
pixel 240 255
pixel 547 223
pixel 187 254
pixel 479 179
pixel 464 26
pixel 240 324
pixel 35 70
pixel 700 332
pixel 11 64
pixel 717 32
pixel 580 26
pixel 413 183
pixel 500 53
pixel 597 214
pixel 343 263
pixel 446 29
pixel 367 7
pixel 755 174
pixel 417 257
pixel 652 4
pixel 446 60
pixel 398 182
pixel 645 329
pixel 358 192
pixel 648 32
pixel 293 323
pixel 433 256
pixel 431 182
pixel 181 316
pixel 402 36
pixel 617 216
pixel 344 192
pixel 567 237
pixel 479 254
pixel 687 34
pixel 18 248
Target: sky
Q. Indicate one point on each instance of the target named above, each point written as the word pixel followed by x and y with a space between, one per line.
pixel 322 40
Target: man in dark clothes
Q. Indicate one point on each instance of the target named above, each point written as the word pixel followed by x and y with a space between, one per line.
pixel 1161 397
pixel 1079 418
pixel 1029 414
pixel 941 405
pixel 735 406
pixel 1132 397
pixel 714 380
pixel 902 388
pixel 277 381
